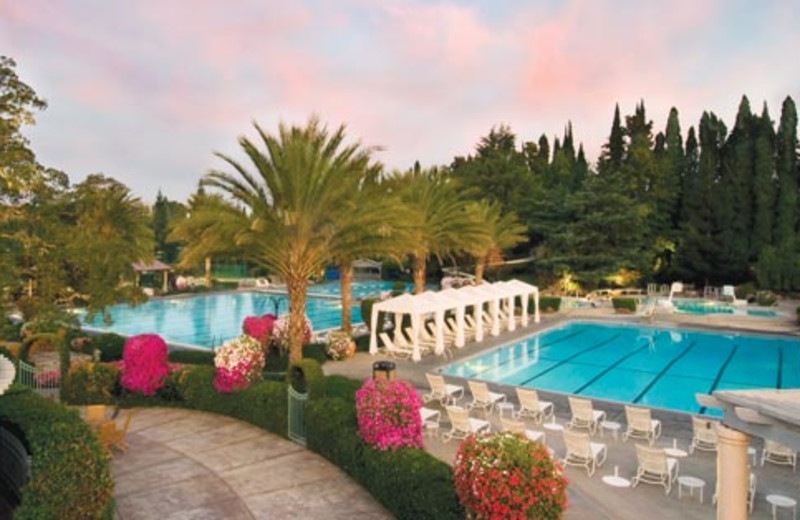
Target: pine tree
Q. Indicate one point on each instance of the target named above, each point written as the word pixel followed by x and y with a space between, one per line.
pixel 786 169
pixel 614 149
pixel 763 185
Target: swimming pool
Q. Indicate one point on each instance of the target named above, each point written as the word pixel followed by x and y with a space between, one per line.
pixel 704 307
pixel 211 319
pixel 661 368
pixel 358 290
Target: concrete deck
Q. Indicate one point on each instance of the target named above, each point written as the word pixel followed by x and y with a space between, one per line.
pixel 184 464
pixel 590 498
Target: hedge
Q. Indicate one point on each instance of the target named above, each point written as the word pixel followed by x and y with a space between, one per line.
pixel 411 483
pixel 70 476
pixel 624 304
pixel 307 376
pixel 549 303
pixel 191 357
pixel 110 346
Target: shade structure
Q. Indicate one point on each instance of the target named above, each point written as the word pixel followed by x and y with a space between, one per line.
pixel 421 306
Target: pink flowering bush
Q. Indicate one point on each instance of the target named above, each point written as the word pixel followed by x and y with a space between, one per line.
pixel 259 327
pixel 507 475
pixel 145 363
pixel 280 332
pixel 239 362
pixel 388 414
pixel 47 379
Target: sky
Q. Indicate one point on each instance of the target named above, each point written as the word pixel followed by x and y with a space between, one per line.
pixel 146 91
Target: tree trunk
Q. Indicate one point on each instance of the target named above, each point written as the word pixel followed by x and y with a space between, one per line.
pixel 208 271
pixel 480 267
pixel 296 288
pixel 419 274
pixel 346 282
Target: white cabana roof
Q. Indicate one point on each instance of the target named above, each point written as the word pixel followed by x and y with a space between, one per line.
pixel 437 303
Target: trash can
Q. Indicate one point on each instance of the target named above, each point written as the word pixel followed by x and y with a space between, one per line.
pixel 383 370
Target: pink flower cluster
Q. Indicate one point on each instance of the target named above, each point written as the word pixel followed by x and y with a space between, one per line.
pixel 259 327
pixel 145 363
pixel 47 379
pixel 280 332
pixel 239 363
pixel 388 414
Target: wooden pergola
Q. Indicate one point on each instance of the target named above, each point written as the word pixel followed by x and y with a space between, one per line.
pixel 152 267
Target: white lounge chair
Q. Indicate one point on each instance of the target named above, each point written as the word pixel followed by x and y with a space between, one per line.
pixel 641 425
pixel 777 453
pixel 514 426
pixel 655 467
pixel 751 492
pixel 704 435
pixel 581 451
pixel 531 406
pixel 482 397
pixel 393 350
pixel 443 392
pixel 584 415
pixel 462 425
pixel 425 346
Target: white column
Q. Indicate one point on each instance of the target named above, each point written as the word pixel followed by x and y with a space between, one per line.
pixel 373 332
pixel 512 320
pixel 536 318
pixel 525 299
pixel 460 327
pixel 495 317
pixel 478 321
pixel 733 477
pixel 439 318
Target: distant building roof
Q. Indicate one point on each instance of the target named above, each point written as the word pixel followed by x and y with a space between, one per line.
pixel 155 265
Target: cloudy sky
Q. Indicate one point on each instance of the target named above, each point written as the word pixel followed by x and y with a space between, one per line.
pixel 145 91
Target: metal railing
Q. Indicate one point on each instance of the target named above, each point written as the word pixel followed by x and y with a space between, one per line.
pixel 297 422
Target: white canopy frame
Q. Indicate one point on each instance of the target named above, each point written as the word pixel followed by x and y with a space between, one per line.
pixel 419 306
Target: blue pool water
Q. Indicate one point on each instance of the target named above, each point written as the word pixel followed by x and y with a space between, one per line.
pixel 704 307
pixel 211 319
pixel 358 290
pixel 660 368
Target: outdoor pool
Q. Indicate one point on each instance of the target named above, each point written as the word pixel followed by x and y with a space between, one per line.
pixel 211 319
pixel 704 307
pixel 661 368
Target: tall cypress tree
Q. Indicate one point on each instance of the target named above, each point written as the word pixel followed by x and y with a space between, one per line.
pixel 673 168
pixel 786 169
pixel 614 149
pixel 763 185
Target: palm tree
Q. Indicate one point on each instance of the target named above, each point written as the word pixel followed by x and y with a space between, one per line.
pixel 295 198
pixel 207 230
pixel 504 231
pixel 377 225
pixel 444 222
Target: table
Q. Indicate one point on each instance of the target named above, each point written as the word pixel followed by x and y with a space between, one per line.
pixel 612 427
pixel 676 453
pixel 777 501
pixel 430 420
pixel 503 406
pixel 553 426
pixel 691 483
pixel 615 480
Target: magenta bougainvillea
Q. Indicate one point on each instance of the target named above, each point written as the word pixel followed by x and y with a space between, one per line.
pixel 506 475
pixel 145 363
pixel 280 332
pixel 259 327
pixel 238 363
pixel 388 414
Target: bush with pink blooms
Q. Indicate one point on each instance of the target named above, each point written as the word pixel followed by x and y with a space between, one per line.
pixel 388 414
pixel 280 332
pixel 239 362
pixel 47 379
pixel 145 360
pixel 259 327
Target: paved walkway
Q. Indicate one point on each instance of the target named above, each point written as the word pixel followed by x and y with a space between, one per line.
pixel 184 464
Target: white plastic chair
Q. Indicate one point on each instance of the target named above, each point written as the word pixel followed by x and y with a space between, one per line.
pixel 704 435
pixel 655 467
pixel 777 453
pixel 443 392
pixel 482 397
pixel 462 425
pixel 393 350
pixel 531 406
pixel 581 451
pixel 514 426
pixel 584 415
pixel 641 425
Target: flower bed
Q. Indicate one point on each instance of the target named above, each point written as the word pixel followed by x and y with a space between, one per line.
pixel 388 414
pixel 145 363
pixel 239 362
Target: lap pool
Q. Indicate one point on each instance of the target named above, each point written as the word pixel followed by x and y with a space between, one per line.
pixel 661 368
pixel 211 319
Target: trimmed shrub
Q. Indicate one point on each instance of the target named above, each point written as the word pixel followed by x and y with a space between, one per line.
pixel 624 304
pixel 307 376
pixel 766 298
pixel 342 387
pixel 70 473
pixel 332 431
pixel 89 383
pixel 191 357
pixel 110 346
pixel 10 331
pixel 546 304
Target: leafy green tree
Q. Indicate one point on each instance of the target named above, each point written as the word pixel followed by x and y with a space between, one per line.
pixel 164 211
pixel 614 150
pixel 302 182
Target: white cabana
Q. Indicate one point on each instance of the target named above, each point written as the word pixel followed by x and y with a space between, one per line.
pixel 419 306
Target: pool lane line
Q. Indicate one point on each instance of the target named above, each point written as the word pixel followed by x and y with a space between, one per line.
pixel 663 371
pixel 559 340
pixel 719 373
pixel 570 358
pixel 780 367
pixel 610 367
